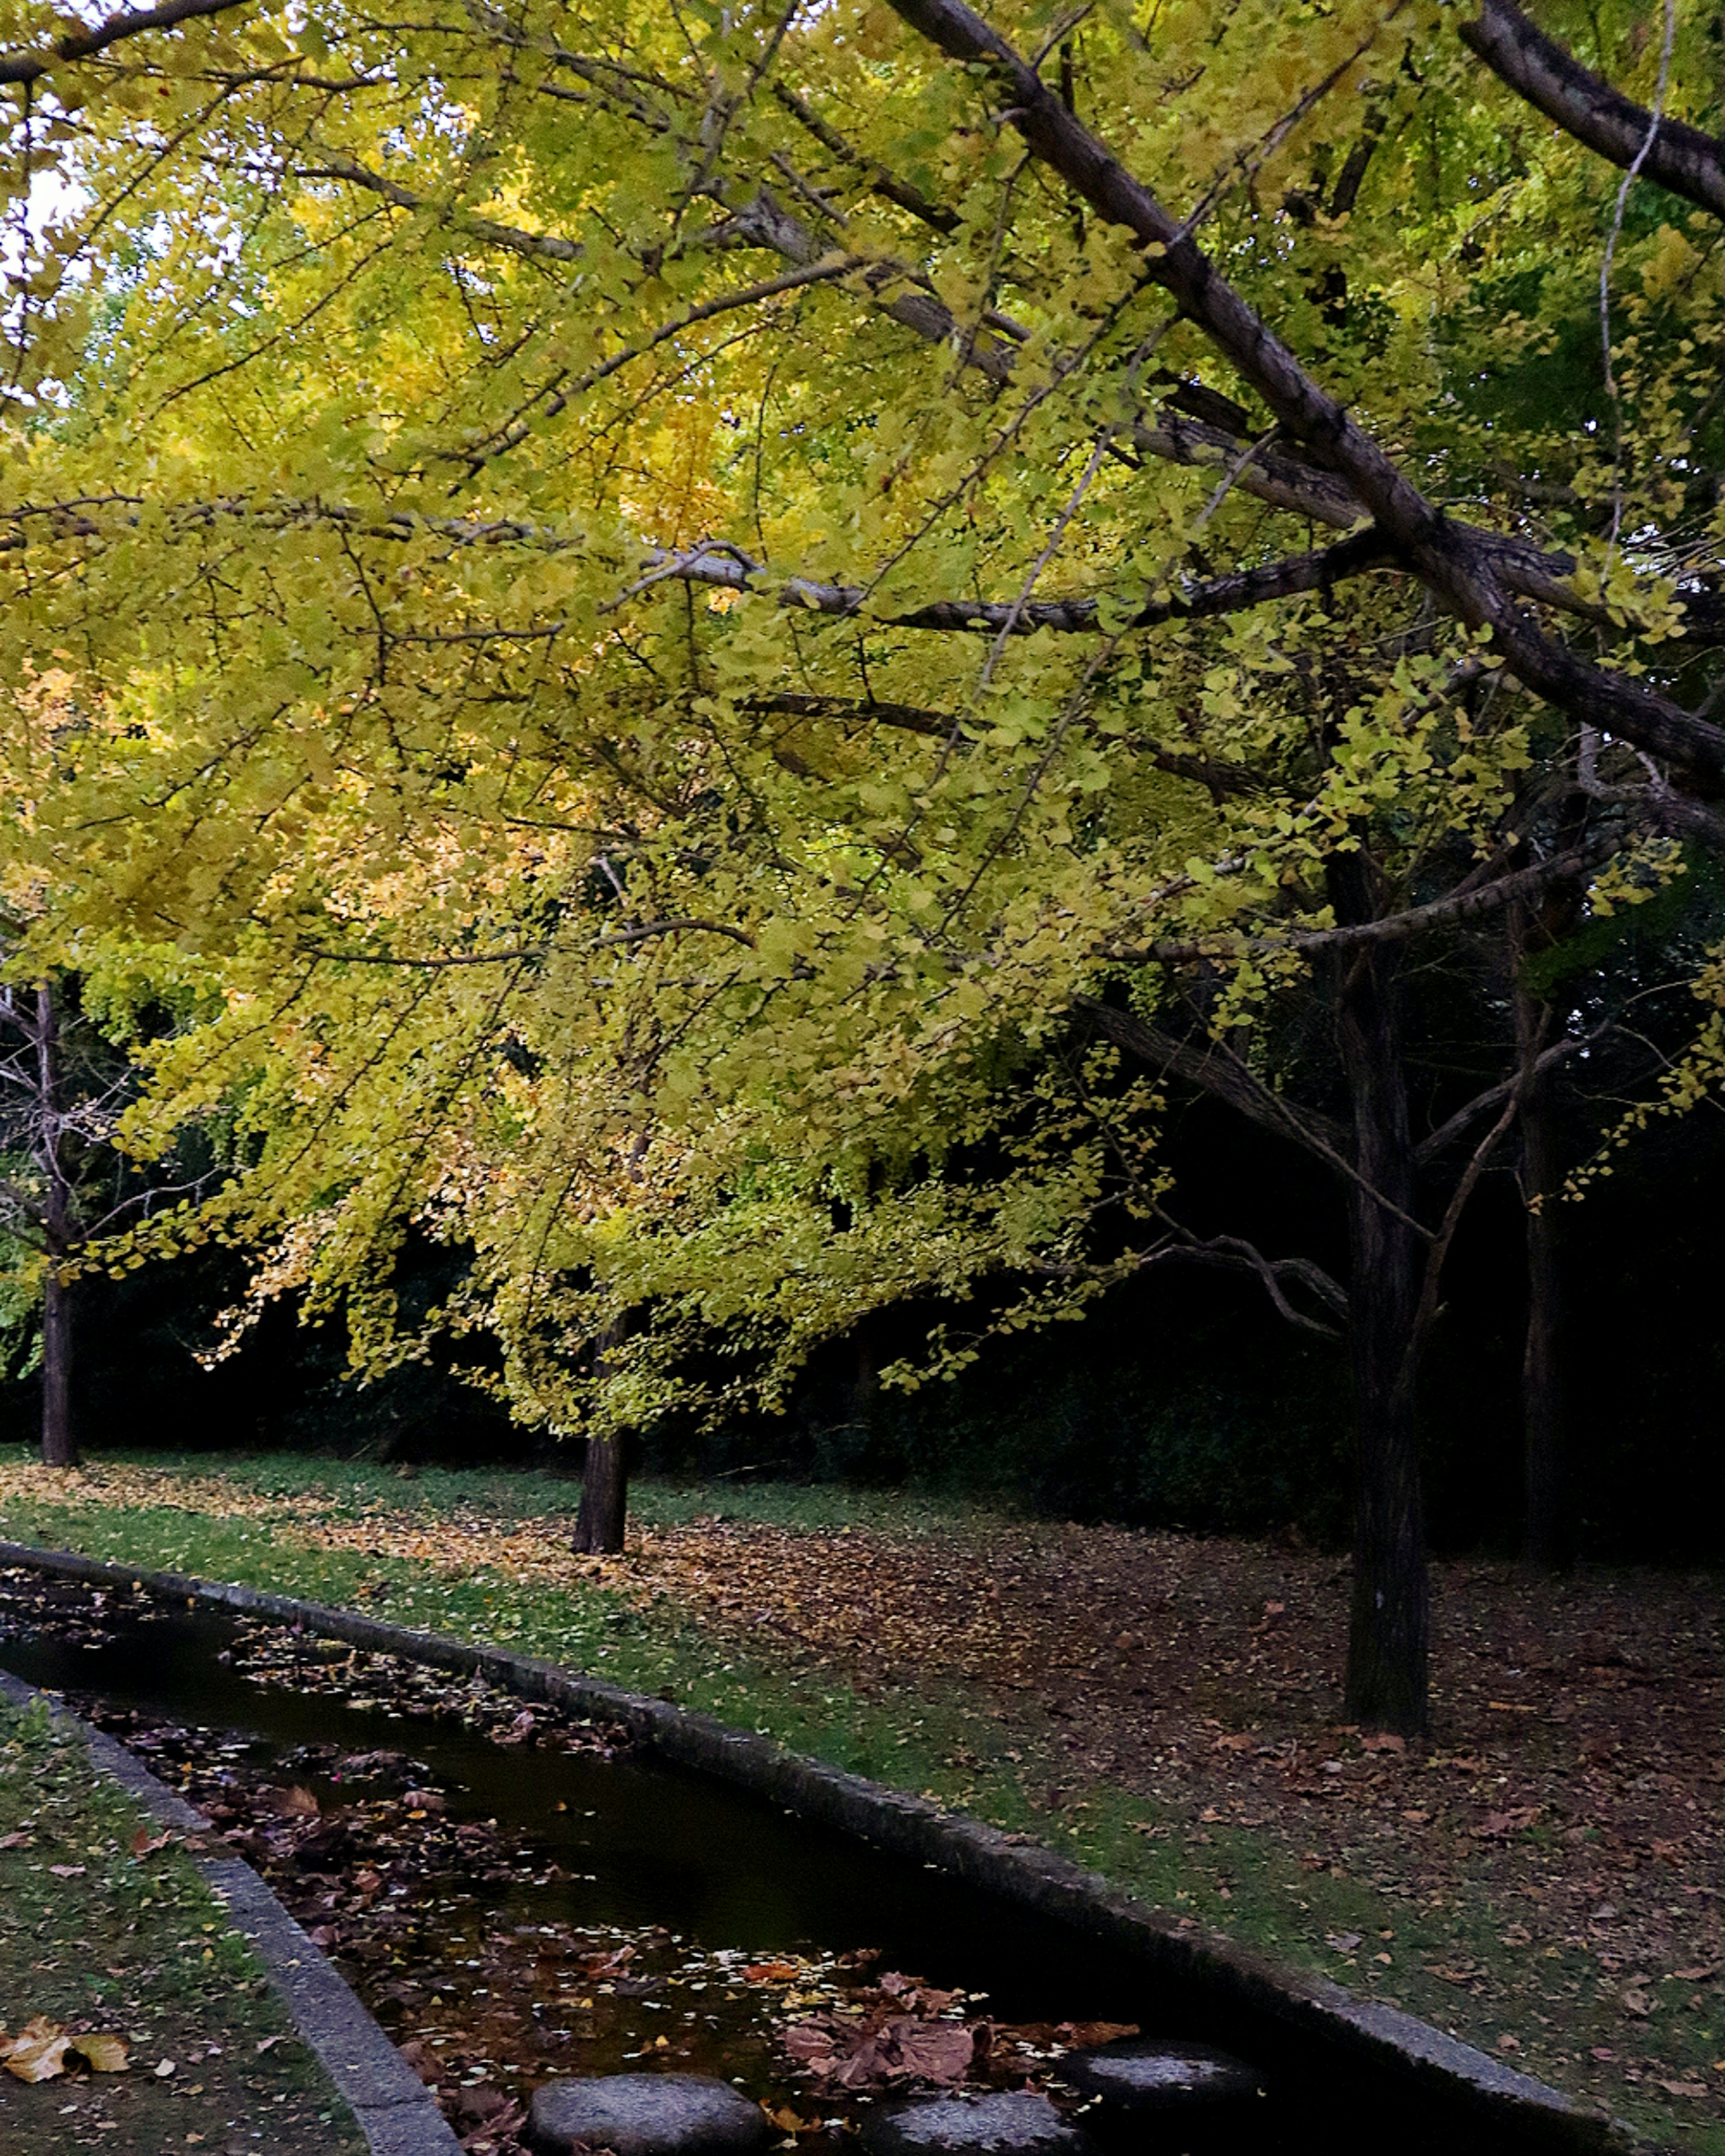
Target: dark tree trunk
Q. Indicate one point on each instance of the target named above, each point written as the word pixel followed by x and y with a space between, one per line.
pixel 604 1498
pixel 1387 1640
pixel 58 1446
pixel 604 1475
pixel 1549 1529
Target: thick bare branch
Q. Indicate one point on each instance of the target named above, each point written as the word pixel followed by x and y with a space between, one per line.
pixel 1682 159
pixel 81 44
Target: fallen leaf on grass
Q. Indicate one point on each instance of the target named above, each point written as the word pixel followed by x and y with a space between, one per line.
pixel 145 1844
pixel 1684 2088
pixel 1699 1974
pixel 1495 1825
pixel 38 2053
pixel 107 2054
pixel 1342 1942
pixel 264 2044
pixel 19 1840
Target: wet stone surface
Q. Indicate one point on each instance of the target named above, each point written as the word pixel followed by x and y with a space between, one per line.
pixel 1022 2124
pixel 645 2115
pixel 1142 2077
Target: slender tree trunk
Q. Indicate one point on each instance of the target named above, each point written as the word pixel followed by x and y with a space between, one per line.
pixel 1549 1529
pixel 603 1516
pixel 58 1446
pixel 1388 1643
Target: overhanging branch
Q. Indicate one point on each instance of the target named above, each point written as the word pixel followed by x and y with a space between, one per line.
pixel 1681 159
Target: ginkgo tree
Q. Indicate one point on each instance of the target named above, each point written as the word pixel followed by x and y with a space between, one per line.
pixel 732 628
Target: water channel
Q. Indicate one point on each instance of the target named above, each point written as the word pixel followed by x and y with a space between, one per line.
pixel 607 1908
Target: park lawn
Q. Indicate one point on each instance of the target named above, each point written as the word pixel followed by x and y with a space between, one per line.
pixel 1540 1880
pixel 105 1928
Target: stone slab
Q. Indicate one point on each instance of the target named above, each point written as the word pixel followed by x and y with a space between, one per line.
pixel 645 2115
pixel 1005 2124
pixel 1146 2076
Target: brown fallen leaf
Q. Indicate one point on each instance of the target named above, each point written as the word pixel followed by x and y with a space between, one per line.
pixel 38 2052
pixel 1383 1740
pixel 21 1839
pixel 772 1971
pixel 1684 2088
pixel 1699 1974
pixel 66 1870
pixel 145 1844
pixel 1495 1825
pixel 1088 2036
pixel 107 2054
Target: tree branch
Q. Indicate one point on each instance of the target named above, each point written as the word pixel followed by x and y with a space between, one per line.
pixel 1447 1132
pixel 1449 559
pixel 1459 904
pixel 1216 1070
pixel 81 44
pixel 1233 1254
pixel 1682 159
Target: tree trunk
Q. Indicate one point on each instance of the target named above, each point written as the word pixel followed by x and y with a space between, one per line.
pixel 58 1446
pixel 1549 1527
pixel 604 1476
pixel 1387 1641
pixel 604 1498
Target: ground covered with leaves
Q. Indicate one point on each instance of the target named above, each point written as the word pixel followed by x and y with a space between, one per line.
pixel 136 2021
pixel 1542 1878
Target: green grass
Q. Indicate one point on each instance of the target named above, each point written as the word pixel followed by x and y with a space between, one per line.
pixel 349 1489
pixel 104 1938
pixel 950 1743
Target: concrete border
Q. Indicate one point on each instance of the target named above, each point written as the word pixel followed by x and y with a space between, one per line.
pixel 1359 2035
pixel 392 2107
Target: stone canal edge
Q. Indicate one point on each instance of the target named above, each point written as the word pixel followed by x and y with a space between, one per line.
pixel 1290 2008
pixel 394 2110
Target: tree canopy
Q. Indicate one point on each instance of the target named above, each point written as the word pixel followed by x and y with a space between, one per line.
pixel 716 635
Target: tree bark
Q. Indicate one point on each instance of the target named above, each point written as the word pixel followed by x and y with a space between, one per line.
pixel 59 1446
pixel 1389 1635
pixel 603 1516
pixel 604 1498
pixel 1548 1534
